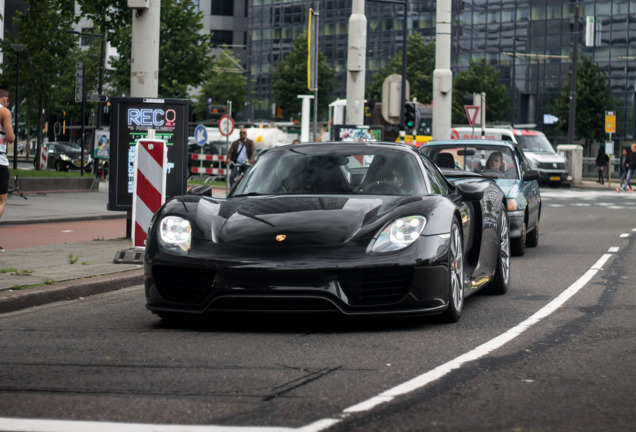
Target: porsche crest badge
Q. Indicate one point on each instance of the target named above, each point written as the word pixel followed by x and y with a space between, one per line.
pixel 280 237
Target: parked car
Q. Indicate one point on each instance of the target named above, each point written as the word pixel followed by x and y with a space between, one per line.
pixel 540 153
pixel 64 155
pixel 355 228
pixel 515 178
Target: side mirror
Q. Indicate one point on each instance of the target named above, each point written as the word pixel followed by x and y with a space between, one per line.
pixel 202 190
pixel 530 175
pixel 471 191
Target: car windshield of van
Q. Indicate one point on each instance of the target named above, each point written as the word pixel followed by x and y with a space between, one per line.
pixel 535 143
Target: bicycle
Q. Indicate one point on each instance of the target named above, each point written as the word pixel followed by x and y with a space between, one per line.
pixel 241 168
pixel 16 189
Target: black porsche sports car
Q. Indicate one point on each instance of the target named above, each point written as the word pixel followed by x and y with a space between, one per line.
pixel 356 228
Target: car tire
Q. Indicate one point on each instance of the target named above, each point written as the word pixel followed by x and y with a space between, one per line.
pixel 532 239
pixel 501 280
pixel 455 276
pixel 518 245
pixel 58 165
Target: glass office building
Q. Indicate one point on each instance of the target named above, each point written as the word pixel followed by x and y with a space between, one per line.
pixel 539 32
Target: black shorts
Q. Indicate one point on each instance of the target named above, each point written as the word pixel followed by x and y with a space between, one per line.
pixel 4 179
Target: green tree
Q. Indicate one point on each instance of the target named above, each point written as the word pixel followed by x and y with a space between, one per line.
pixel 183 52
pixel 47 63
pixel 224 81
pixel 420 64
pixel 593 98
pixel 470 81
pixel 289 79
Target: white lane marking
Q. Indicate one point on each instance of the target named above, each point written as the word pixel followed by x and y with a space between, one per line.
pixel 482 350
pixel 22 425
pixel 613 249
pixel 624 235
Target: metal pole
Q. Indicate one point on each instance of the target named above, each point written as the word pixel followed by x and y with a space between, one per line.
pixel 572 113
pixel 83 120
pixel 512 84
pixel 101 80
pixel 403 89
pixel 17 116
pixel 315 65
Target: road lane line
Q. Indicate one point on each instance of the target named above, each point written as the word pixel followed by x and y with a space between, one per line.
pixel 21 425
pixel 482 350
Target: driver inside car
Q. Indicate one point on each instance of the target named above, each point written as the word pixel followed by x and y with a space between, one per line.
pixel 391 182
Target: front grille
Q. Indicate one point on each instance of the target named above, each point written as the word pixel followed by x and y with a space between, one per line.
pixel 375 286
pixel 187 286
pixel 552 165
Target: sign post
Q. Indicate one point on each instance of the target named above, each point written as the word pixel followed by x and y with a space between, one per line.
pixel 610 127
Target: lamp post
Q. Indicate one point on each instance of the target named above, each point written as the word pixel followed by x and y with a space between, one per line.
pixel 514 84
pixel 17 48
pixel 101 73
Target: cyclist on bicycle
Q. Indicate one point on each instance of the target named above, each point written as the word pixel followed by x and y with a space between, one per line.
pixel 242 150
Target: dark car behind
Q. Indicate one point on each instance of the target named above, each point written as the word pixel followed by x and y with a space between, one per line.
pixel 64 155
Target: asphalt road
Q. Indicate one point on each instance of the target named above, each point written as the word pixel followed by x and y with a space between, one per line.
pixel 106 359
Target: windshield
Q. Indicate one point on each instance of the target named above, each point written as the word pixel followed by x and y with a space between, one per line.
pixel 333 169
pixel 535 143
pixel 488 160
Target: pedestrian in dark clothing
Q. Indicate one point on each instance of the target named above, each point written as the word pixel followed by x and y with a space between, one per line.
pixel 631 167
pixel 622 166
pixel 601 164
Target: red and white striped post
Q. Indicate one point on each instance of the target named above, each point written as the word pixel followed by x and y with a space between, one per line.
pixel 44 156
pixel 151 161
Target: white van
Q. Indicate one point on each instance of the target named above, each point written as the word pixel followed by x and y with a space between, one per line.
pixel 535 146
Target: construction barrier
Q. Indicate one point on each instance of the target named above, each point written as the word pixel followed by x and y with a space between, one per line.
pixel 151 160
pixel 212 170
pixel 44 156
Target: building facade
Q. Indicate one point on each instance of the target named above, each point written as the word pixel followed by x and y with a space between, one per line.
pixel 536 35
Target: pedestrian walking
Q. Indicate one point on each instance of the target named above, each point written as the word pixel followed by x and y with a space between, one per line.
pixel 601 164
pixel 6 137
pixel 631 167
pixel 622 166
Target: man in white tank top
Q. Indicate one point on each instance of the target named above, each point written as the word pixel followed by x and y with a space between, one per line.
pixel 6 137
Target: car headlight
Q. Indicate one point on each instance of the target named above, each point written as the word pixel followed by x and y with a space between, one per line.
pixel 65 158
pixel 176 231
pixel 399 234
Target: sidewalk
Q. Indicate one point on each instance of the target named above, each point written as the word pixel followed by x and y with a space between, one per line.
pixel 39 275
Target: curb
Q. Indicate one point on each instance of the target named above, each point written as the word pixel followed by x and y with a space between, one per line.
pixel 11 301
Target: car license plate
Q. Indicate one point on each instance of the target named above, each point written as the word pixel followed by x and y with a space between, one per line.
pixel 555 178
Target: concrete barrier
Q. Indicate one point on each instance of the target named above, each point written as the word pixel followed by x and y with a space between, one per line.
pixel 56 184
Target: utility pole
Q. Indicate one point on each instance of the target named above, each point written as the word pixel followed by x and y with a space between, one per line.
pixel 144 50
pixel 442 76
pixel 575 55
pixel 356 63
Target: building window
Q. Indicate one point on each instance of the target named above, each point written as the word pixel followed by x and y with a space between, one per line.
pixel 222 7
pixel 221 37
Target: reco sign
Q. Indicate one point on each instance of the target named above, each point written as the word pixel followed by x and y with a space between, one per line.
pixel 152 118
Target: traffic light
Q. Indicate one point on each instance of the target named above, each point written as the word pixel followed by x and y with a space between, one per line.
pixel 410 116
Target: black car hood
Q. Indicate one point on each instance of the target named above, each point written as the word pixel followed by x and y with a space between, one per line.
pixel 302 220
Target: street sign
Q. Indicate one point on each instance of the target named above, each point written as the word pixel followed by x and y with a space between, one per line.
pixel 471 113
pixel 610 122
pixel 95 98
pixel 79 81
pixel 226 125
pixel 200 135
